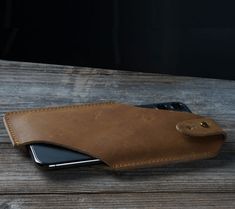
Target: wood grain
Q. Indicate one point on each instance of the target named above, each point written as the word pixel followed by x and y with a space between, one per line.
pixel 200 184
pixel 19 175
pixel 120 201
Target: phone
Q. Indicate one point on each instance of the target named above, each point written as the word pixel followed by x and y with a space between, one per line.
pixel 50 156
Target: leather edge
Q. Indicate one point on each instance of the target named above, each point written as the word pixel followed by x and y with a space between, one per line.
pixel 9 127
pixel 10 132
pixel 166 161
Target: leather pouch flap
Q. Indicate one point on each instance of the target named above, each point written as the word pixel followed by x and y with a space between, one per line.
pixel 201 127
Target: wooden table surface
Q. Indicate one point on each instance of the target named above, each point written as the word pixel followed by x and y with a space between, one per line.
pixel 200 184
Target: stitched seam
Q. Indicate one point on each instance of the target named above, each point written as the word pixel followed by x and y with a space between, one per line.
pixel 164 159
pixel 11 131
pixel 45 109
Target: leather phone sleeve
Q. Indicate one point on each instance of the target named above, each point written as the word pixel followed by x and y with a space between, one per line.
pixel 120 135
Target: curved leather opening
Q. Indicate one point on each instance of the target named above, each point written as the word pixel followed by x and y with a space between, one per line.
pixel 57 149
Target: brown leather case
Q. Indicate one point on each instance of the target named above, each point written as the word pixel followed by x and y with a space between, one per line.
pixel 122 136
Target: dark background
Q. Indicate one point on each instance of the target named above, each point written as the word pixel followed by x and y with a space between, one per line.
pixel 180 37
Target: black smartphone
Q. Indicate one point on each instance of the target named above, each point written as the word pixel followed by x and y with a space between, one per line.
pixel 50 156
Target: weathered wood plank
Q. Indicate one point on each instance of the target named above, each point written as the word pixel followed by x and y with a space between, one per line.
pixel 141 200
pixel 19 175
pixel 27 85
pixel 22 185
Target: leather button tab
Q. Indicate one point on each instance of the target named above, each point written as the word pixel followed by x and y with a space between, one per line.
pixel 200 127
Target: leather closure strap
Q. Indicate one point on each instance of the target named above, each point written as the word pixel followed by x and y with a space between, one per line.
pixel 200 127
